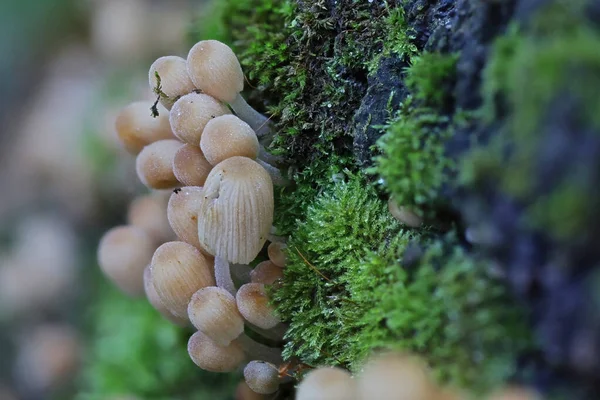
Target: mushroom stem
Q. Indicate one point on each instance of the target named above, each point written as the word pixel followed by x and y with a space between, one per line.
pixel 264 155
pixel 275 173
pixel 274 238
pixel 258 351
pixel 276 333
pixel 240 273
pixel 223 275
pixel 256 120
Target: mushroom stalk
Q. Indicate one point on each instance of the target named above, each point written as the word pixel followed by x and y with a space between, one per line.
pixel 264 155
pixel 256 120
pixel 258 351
pixel 274 173
pixel 223 275
pixel 276 333
pixel 240 273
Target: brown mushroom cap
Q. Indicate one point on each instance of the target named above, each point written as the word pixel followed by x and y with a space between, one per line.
pixel 213 311
pixel 149 212
pixel 154 164
pixel 253 303
pixel 228 136
pixel 236 212
pixel 276 251
pixel 328 383
pixel 404 215
pixel 137 128
pixel 123 253
pixel 262 377
pixel 155 301
pixel 243 392
pixel 178 271
pixel 190 167
pixel 182 212
pixel 174 78
pixel 211 357
pixel 191 113
pixel 266 272
pixel 214 69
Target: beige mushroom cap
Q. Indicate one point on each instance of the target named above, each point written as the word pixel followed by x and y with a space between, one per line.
pixel 262 377
pixel 228 136
pixel 137 128
pixel 209 356
pixel 190 167
pixel 190 114
pixel 214 69
pixel 266 273
pixel 154 164
pixel 155 301
pixel 328 383
pixel 178 271
pixel 149 212
pixel 182 212
pixel 276 252
pixel 253 303
pixel 236 212
pixel 174 78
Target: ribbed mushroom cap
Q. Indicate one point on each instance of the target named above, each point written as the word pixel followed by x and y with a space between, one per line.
pixel 236 212
pixel 328 383
pixel 253 303
pixel 155 301
pixel 174 78
pixel 228 136
pixel 209 356
pixel 266 273
pixel 213 311
pixel 214 69
pixel 395 376
pixel 137 128
pixel 190 167
pixel 149 212
pixel 154 164
pixel 191 113
pixel 123 253
pixel 182 212
pixel 262 377
pixel 277 254
pixel 178 271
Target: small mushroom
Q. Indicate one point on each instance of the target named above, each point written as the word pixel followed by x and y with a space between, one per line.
pixel 178 271
pixel 174 79
pixel 262 377
pixel 213 311
pixel 404 215
pixel 253 303
pixel 123 253
pixel 149 213
pixel 209 356
pixel 182 212
pixel 154 164
pixel 236 211
pixel 155 301
pixel 266 273
pixel 276 252
pixel 137 128
pixel 214 69
pixel 190 167
pixel 191 113
pixel 243 392
pixel 228 136
pixel 328 383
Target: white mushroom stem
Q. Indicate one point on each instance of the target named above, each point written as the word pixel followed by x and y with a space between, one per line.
pixel 256 120
pixel 240 273
pixel 275 333
pixel 274 238
pixel 275 173
pixel 258 351
pixel 223 275
pixel 264 155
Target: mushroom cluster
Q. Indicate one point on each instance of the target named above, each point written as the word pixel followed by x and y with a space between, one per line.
pixel 190 255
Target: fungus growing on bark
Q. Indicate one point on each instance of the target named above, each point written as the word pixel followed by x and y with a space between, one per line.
pixel 214 69
pixel 253 303
pixel 190 167
pixel 328 383
pixel 262 377
pixel 178 271
pixel 136 128
pixel 155 301
pixel 236 211
pixel 182 212
pixel 190 114
pixel 228 136
pixel 154 164
pixel 174 79
pixel 123 253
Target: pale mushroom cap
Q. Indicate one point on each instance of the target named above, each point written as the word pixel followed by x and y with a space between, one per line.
pixel 190 167
pixel 404 215
pixel 190 114
pixel 262 377
pixel 174 78
pixel 149 212
pixel 266 272
pixel 137 128
pixel 155 301
pixel 213 311
pixel 328 383
pixel 154 164
pixel 228 136
pixel 236 211
pixel 182 212
pixel 395 377
pixel 214 69
pixel 276 251
pixel 123 253
pixel 211 357
pixel 253 303
pixel 178 271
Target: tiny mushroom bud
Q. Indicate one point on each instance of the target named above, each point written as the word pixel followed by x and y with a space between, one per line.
pixel 155 301
pixel 149 213
pixel 178 271
pixel 209 356
pixel 253 303
pixel 137 128
pixel 262 377
pixel 228 136
pixel 266 272
pixel 182 212
pixel 404 215
pixel 190 167
pixel 213 311
pixel 236 211
pixel 123 254
pixel 154 164
pixel 328 383
pixel 276 251
pixel 174 79
pixel 191 113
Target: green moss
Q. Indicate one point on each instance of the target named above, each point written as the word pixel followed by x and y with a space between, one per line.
pixel 430 76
